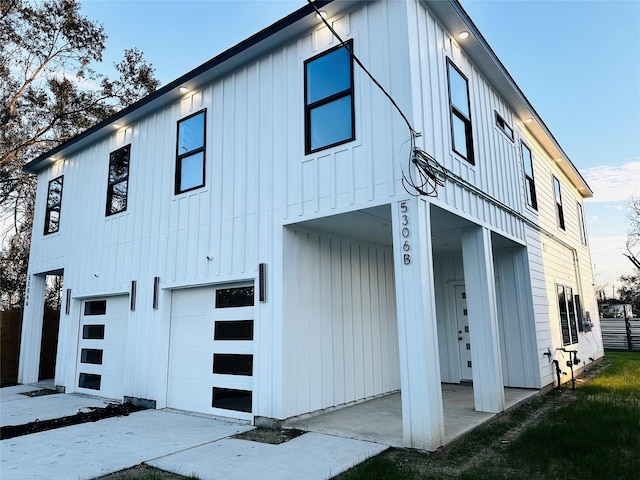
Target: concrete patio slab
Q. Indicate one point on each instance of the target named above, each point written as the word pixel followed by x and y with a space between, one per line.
pixel 312 456
pixel 380 419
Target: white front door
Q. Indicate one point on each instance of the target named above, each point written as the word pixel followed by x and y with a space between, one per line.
pixel 102 346
pixel 464 339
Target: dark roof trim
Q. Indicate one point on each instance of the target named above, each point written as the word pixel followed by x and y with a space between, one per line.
pixel 502 69
pixel 43 160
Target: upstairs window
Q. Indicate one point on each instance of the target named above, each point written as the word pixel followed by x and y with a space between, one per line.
pixel 329 107
pixel 530 185
pixel 568 318
pixel 118 182
pixel 54 202
pixel 190 158
pixel 583 227
pixel 558 196
pixel 461 135
pixel 504 126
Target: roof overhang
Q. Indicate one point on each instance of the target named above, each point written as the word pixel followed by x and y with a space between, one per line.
pixel 453 17
pixel 449 12
pixel 278 33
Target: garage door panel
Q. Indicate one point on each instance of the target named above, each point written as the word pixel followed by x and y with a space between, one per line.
pixel 102 347
pixel 192 381
pixel 192 301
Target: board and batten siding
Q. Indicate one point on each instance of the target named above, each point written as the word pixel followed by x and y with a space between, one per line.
pixel 340 322
pixel 552 262
pixel 498 169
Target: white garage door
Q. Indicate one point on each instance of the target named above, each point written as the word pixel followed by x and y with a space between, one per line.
pixel 102 347
pixel 211 351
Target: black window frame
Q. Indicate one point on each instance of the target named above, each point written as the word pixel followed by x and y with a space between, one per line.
pixel 557 194
pixel 95 307
pixel 53 206
pixel 91 355
pixel 92 381
pixel 93 332
pixel 235 296
pixel 567 310
pixel 182 156
pixel 529 180
pixel 111 184
pixel 309 107
pixel 582 224
pixel 456 113
pixel 503 126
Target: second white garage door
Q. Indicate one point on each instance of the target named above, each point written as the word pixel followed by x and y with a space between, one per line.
pixel 211 351
pixel 102 346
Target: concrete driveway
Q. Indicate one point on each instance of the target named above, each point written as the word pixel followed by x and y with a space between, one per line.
pixel 170 440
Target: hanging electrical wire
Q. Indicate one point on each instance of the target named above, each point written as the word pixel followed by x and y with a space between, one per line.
pixel 426 179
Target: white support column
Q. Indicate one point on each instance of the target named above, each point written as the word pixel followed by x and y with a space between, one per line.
pixel 488 389
pixel 29 365
pixel 422 414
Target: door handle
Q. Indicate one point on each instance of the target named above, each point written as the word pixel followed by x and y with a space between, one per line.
pixel 459 339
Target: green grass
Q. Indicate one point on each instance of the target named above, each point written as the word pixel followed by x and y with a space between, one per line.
pixel 596 435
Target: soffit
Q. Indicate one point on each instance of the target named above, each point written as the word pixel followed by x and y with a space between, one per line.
pixel 453 17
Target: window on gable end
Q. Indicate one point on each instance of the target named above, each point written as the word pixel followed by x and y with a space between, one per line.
pixel 530 185
pixel 54 203
pixel 190 152
pixel 118 181
pixel 582 225
pixel 558 197
pixel 329 102
pixel 504 126
pixel 461 133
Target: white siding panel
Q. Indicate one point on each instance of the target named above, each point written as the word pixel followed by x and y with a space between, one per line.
pixel 340 303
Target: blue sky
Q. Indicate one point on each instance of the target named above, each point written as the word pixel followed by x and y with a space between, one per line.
pixel 578 63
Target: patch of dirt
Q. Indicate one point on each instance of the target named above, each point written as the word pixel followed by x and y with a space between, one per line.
pixel 272 436
pixel 142 472
pixel 93 415
pixel 40 393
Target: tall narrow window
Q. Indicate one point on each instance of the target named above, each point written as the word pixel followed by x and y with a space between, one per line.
pixel 118 182
pixel 461 135
pixel 54 202
pixel 583 227
pixel 558 196
pixel 530 186
pixel 568 318
pixel 190 158
pixel 329 111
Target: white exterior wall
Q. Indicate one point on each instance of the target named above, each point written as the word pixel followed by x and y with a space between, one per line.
pixel 260 186
pixel 561 260
pixel 340 322
pixel 497 169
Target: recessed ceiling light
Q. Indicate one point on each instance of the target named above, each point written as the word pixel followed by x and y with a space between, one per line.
pixel 559 159
pixel 462 35
pixel 115 125
pixel 321 14
pixel 528 120
pixel 183 89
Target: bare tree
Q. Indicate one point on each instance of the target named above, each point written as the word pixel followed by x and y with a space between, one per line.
pixel 633 233
pixel 49 92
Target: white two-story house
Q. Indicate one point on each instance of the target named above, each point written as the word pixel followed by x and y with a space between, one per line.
pixel 271 235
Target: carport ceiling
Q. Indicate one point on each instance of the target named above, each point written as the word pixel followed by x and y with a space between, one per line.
pixel 371 226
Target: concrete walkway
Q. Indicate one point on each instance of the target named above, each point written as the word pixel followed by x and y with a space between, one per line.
pixel 173 441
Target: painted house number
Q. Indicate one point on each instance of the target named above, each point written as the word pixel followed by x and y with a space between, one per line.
pixel 405 232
